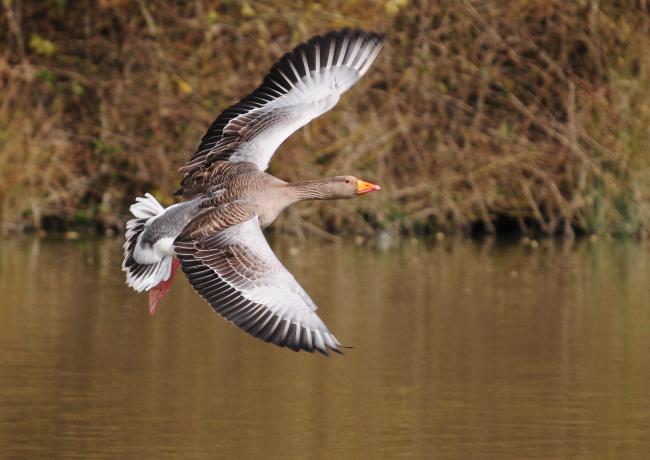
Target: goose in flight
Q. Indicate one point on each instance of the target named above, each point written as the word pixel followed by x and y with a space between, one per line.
pixel 216 234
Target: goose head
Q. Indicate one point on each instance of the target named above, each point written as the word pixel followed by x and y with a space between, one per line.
pixel 350 187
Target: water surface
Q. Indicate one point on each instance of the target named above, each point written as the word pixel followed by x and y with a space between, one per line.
pixel 461 350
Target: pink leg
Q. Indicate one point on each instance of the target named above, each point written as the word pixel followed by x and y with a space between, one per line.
pixel 157 293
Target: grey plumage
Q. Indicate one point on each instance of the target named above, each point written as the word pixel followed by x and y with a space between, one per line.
pixel 217 237
pixel 171 222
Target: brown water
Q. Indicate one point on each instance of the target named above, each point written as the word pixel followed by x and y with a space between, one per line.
pixel 462 350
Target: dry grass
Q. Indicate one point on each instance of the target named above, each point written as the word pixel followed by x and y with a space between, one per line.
pixel 477 114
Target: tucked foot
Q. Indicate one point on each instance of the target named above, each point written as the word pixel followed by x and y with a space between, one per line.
pixel 157 293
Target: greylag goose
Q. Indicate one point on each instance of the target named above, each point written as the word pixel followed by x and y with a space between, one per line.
pixel 216 234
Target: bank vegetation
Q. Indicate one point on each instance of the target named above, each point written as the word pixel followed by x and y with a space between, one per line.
pixel 477 117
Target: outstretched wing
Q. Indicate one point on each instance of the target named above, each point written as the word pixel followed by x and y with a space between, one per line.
pixel 302 85
pixel 236 271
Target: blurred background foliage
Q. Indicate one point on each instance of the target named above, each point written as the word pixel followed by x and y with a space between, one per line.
pixel 478 116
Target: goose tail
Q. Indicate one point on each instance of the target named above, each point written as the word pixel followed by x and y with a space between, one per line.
pixel 145 267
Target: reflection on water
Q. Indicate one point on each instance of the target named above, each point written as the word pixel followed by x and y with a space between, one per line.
pixel 461 350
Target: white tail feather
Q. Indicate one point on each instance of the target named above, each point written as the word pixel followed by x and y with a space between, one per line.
pixel 146 206
pixel 142 276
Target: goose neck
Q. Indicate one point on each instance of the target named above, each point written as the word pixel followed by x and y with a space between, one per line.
pixel 311 190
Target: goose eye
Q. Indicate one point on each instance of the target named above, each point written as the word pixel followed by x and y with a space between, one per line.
pixel 347 181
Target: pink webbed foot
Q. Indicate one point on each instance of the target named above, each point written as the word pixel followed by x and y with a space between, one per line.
pixel 157 293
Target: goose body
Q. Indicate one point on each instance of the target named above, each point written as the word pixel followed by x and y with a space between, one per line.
pixel 216 235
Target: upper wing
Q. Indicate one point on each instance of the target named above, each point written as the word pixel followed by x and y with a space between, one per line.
pixel 235 270
pixel 302 85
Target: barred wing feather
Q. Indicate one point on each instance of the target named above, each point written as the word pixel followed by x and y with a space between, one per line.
pixel 302 85
pixel 236 271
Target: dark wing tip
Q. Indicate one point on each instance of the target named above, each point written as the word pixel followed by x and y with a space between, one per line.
pixel 284 70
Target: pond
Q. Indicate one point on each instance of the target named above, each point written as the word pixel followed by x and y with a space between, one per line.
pixel 460 349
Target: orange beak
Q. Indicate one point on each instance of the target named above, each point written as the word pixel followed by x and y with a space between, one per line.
pixel 365 187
